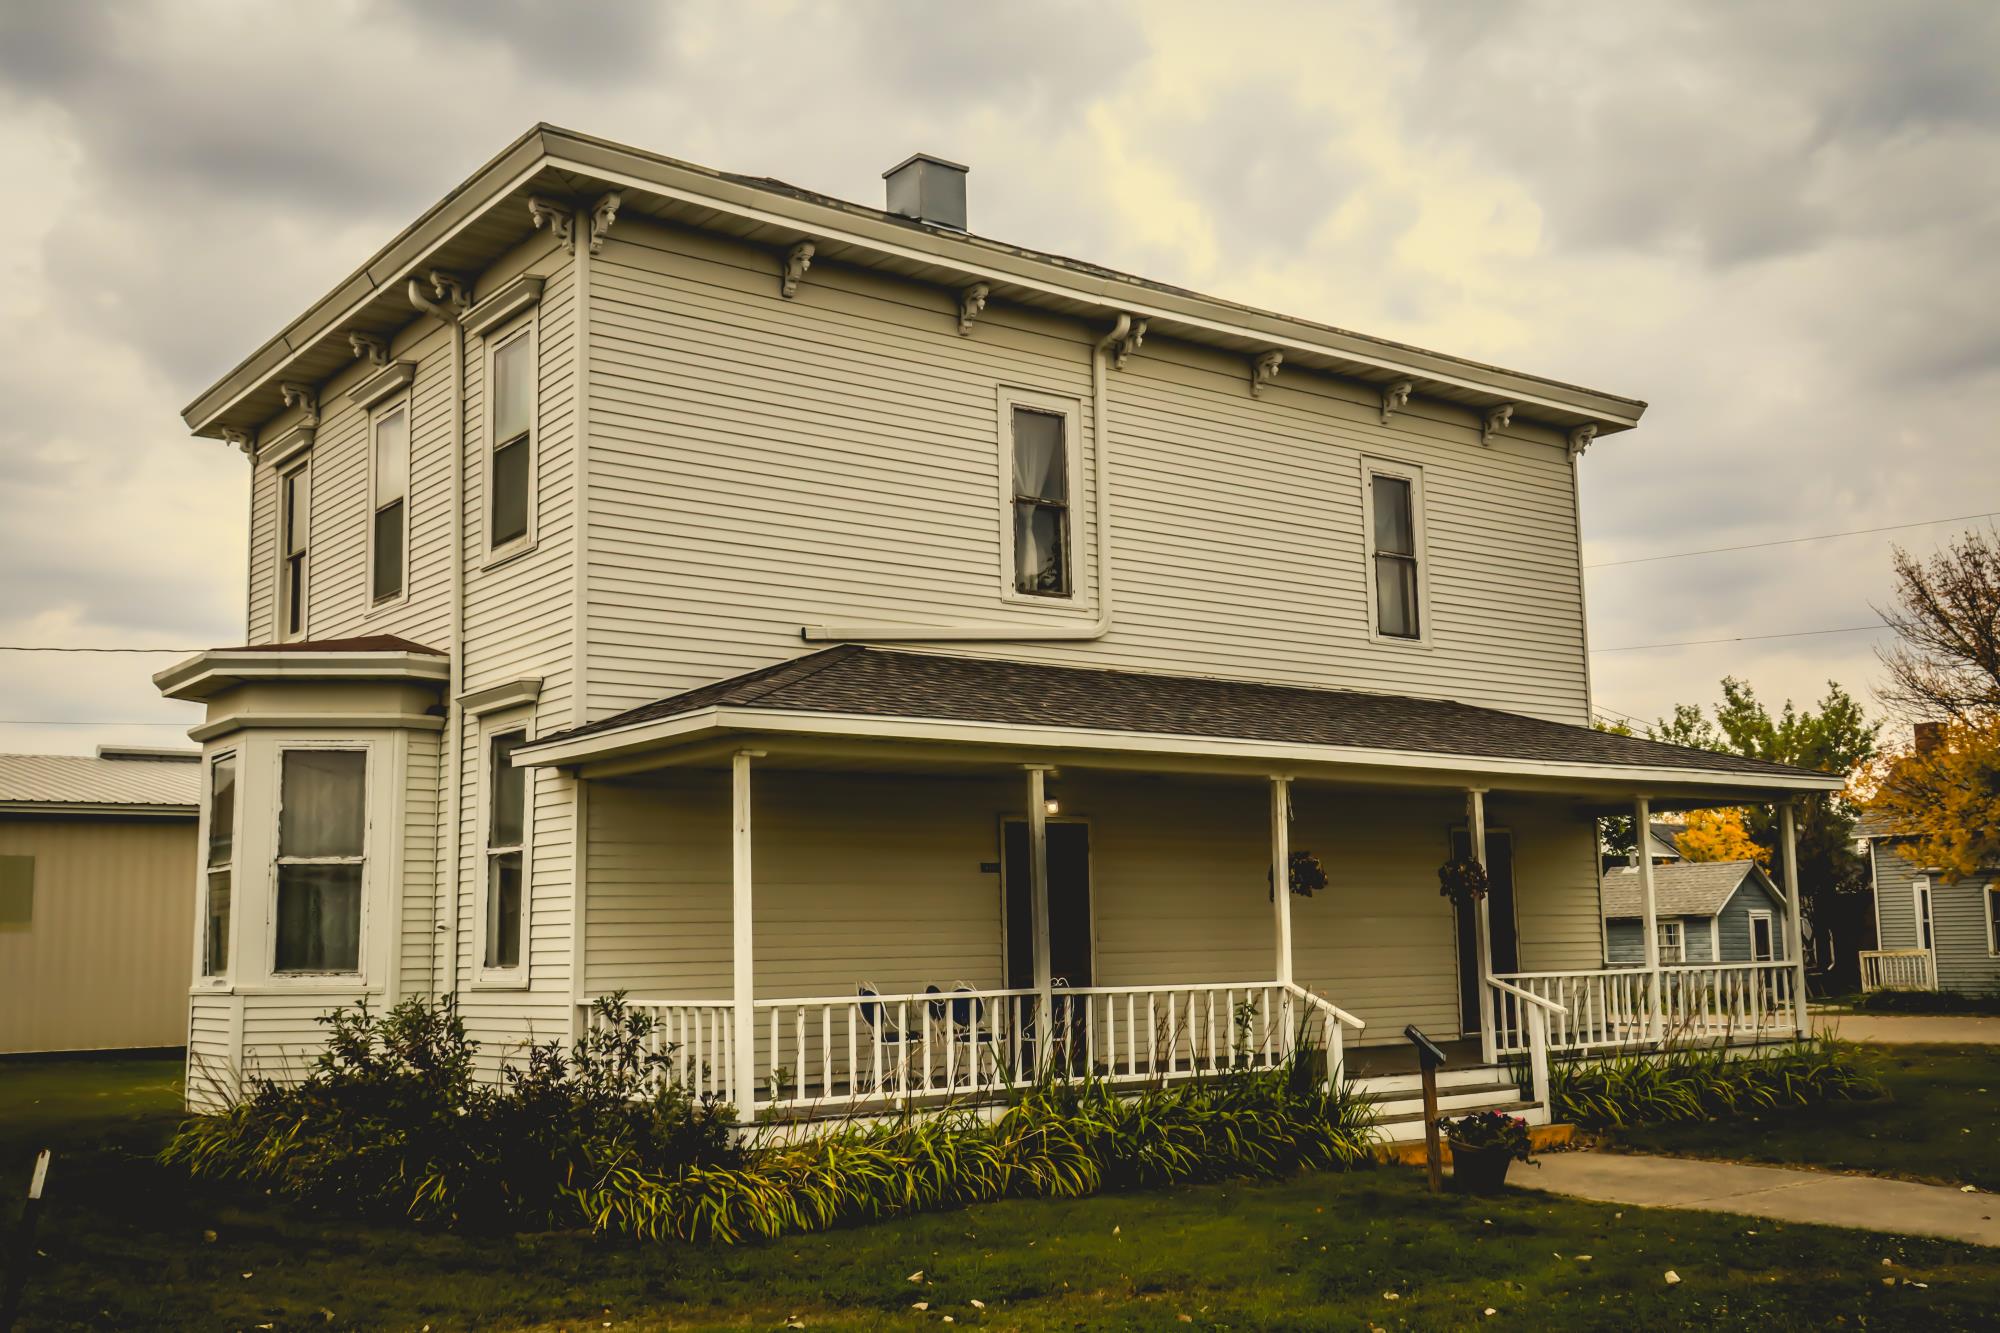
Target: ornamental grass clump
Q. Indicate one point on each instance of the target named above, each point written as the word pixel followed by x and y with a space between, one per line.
pixel 1707 1083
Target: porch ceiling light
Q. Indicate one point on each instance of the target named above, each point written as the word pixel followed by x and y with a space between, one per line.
pixel 1052 806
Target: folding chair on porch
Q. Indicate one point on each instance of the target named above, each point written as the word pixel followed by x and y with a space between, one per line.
pixel 885 1033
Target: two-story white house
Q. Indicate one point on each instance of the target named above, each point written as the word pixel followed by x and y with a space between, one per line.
pixel 677 582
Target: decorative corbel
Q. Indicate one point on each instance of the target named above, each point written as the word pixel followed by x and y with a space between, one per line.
pixel 797 260
pixel 556 216
pixel 601 217
pixel 240 439
pixel 1497 420
pixel 1133 340
pixel 451 291
pixel 305 399
pixel 1395 397
pixel 367 345
pixel 1579 440
pixel 971 303
pixel 1264 370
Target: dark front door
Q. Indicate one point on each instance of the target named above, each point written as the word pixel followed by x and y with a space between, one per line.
pixel 1069 905
pixel 1500 911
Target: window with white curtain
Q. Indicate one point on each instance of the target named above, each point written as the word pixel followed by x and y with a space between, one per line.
pixel 294 557
pixel 506 833
pixel 1672 936
pixel 511 460
pixel 322 856
pixel 388 540
pixel 219 883
pixel 1041 490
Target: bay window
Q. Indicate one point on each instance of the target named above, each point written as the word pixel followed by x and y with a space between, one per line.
pixel 506 836
pixel 322 854
pixel 219 877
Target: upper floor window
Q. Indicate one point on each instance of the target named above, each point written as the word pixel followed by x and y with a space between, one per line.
pixel 294 541
pixel 1392 500
pixel 388 538
pixel 510 473
pixel 220 875
pixel 1039 465
pixel 322 854
pixel 506 836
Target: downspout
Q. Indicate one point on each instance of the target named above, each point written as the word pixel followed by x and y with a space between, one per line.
pixel 1027 631
pixel 445 978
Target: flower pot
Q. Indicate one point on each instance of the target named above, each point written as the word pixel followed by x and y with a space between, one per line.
pixel 1479 1170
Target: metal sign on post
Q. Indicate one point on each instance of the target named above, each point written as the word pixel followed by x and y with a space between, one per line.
pixel 1429 1057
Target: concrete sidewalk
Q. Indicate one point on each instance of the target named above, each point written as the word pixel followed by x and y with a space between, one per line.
pixel 1894 1206
pixel 1900 1029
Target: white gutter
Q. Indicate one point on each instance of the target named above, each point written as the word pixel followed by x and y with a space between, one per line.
pixel 1025 630
pixel 638 736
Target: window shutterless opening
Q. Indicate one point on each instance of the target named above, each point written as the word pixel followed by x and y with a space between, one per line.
pixel 1397 613
pixel 389 532
pixel 1763 938
pixel 1041 491
pixel 510 469
pixel 219 877
pixel 1673 942
pixel 294 546
pixel 506 825
pixel 322 857
pixel 1922 892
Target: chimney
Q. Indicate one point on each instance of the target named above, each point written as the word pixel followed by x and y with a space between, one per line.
pixel 1927 736
pixel 928 189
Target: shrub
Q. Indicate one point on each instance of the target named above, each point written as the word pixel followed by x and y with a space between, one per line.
pixel 1703 1083
pixel 391 1120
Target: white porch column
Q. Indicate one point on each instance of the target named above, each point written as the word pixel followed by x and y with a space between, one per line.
pixel 1788 837
pixel 1038 899
pixel 1642 815
pixel 1281 902
pixel 1475 825
pixel 744 991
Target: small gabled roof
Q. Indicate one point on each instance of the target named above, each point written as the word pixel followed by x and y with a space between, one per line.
pixel 1666 839
pixel 1688 888
pixel 75 783
pixel 851 681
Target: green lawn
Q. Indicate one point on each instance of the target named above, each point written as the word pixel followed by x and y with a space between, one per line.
pixel 1940 1123
pixel 124 1248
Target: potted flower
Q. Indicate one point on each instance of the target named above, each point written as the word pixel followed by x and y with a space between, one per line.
pixel 1483 1145
pixel 1463 880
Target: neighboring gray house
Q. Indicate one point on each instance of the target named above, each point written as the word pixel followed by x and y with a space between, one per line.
pixel 1931 933
pixel 1708 912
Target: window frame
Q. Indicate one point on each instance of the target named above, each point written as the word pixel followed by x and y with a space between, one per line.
pixel 370 776
pixel 1678 930
pixel 1770 921
pixel 526 327
pixel 285 603
pixel 1373 466
pixel 224 978
pixel 1924 909
pixel 403 402
pixel 1990 898
pixel 1009 399
pixel 493 726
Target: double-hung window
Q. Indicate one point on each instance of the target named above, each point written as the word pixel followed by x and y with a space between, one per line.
pixel 388 537
pixel 1392 498
pixel 220 875
pixel 1040 491
pixel 294 548
pixel 510 473
pixel 1672 936
pixel 1921 890
pixel 1763 938
pixel 506 833
pixel 322 857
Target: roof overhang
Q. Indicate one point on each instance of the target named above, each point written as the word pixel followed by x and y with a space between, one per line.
pixel 489 214
pixel 704 736
pixel 208 674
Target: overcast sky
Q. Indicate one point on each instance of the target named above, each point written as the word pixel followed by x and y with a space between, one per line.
pixel 1777 223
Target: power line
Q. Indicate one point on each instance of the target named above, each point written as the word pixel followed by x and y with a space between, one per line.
pixel 60 648
pixel 1789 541
pixel 1740 638
pixel 82 722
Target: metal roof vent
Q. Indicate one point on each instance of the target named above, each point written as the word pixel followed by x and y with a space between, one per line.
pixel 928 189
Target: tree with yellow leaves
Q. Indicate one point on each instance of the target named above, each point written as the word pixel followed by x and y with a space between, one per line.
pixel 1720 835
pixel 1946 796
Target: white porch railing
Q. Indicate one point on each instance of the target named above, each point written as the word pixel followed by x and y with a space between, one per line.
pixel 1612 1007
pixel 857 1052
pixel 1898 969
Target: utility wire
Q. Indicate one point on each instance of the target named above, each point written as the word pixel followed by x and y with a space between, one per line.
pixel 84 722
pixel 1789 541
pixel 61 648
pixel 1740 638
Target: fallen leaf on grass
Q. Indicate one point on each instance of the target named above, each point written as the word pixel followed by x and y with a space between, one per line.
pixel 1673 1278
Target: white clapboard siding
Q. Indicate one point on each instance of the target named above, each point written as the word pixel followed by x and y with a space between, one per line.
pixel 211 1066
pixel 758 464
pixel 417 938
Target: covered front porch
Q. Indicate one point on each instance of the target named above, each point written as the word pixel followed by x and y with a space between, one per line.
pixel 829 916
